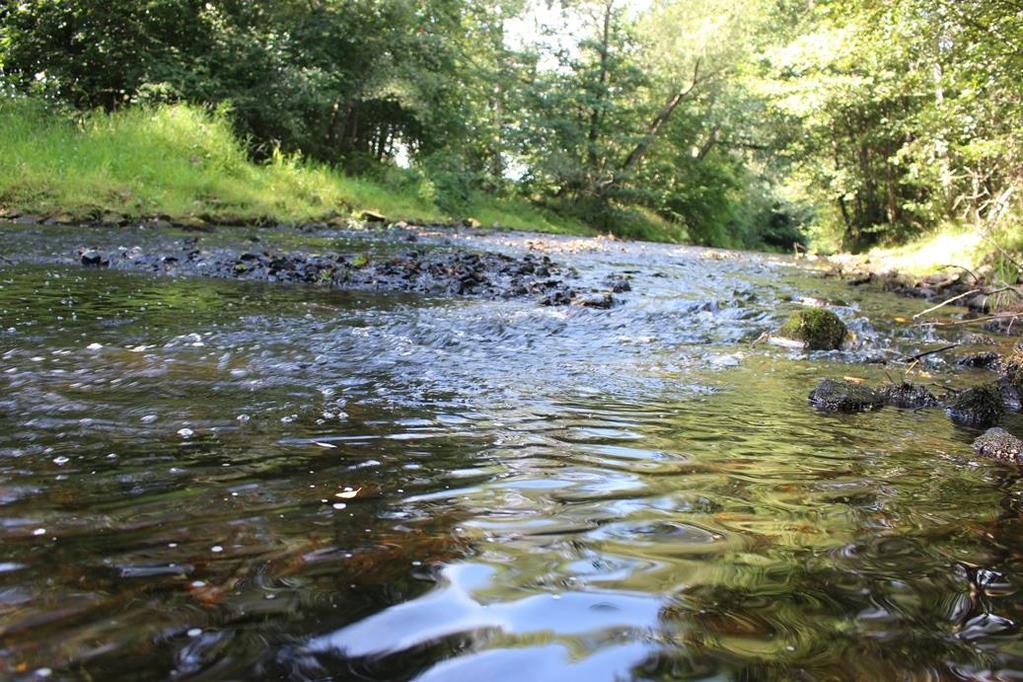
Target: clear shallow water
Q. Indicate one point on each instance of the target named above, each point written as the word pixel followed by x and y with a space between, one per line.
pixel 212 480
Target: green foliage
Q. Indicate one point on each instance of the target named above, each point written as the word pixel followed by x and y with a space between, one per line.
pixel 753 124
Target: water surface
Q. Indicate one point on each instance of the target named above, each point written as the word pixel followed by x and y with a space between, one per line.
pixel 207 480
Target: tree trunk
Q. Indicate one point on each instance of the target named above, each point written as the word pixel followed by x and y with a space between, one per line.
pixel 660 119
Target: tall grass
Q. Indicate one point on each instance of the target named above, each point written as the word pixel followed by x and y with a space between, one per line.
pixel 182 161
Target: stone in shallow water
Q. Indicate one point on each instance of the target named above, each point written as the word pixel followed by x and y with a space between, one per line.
pixel 985 359
pixel 94 259
pixel 817 328
pixel 835 395
pixel 981 406
pixel 907 395
pixel 997 443
pixel 603 300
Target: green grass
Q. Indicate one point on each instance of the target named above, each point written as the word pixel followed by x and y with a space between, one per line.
pixel 185 162
pixel 954 244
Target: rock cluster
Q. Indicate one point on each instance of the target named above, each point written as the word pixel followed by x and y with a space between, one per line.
pixel 435 272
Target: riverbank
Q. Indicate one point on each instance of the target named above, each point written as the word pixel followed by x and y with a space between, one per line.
pixel 184 165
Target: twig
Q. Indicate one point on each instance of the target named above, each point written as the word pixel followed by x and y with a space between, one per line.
pixel 957 323
pixel 914 358
pixel 946 302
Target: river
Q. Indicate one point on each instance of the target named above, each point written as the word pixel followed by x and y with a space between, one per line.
pixel 206 479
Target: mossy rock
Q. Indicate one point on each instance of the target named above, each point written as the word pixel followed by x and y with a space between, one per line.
pixel 835 395
pixel 982 406
pixel 817 328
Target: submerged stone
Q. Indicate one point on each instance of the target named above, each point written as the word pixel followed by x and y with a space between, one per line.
pixel 817 328
pixel 982 360
pixel 907 395
pixel 981 406
pixel 836 395
pixel 999 444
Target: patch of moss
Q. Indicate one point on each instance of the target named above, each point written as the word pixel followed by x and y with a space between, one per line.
pixel 818 328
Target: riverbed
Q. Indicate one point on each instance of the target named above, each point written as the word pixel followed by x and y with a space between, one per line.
pixel 206 478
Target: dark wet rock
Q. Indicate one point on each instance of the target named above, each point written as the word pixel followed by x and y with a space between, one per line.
pixel 978 303
pixel 557 297
pixel 617 284
pixel 94 259
pixel 907 395
pixel 1010 369
pixel 836 395
pixel 981 406
pixel 1010 379
pixel 983 360
pixel 817 328
pixel 997 443
pixel 28 219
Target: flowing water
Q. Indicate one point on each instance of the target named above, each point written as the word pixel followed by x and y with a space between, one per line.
pixel 208 480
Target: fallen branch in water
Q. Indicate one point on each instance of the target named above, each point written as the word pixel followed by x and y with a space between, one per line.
pixel 985 292
pixel 918 356
pixel 946 302
pixel 959 323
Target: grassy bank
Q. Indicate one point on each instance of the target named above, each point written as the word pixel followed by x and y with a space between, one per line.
pixel 986 251
pixel 186 163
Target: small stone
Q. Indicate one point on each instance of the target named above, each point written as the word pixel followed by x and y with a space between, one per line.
pixel 999 444
pixel 835 395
